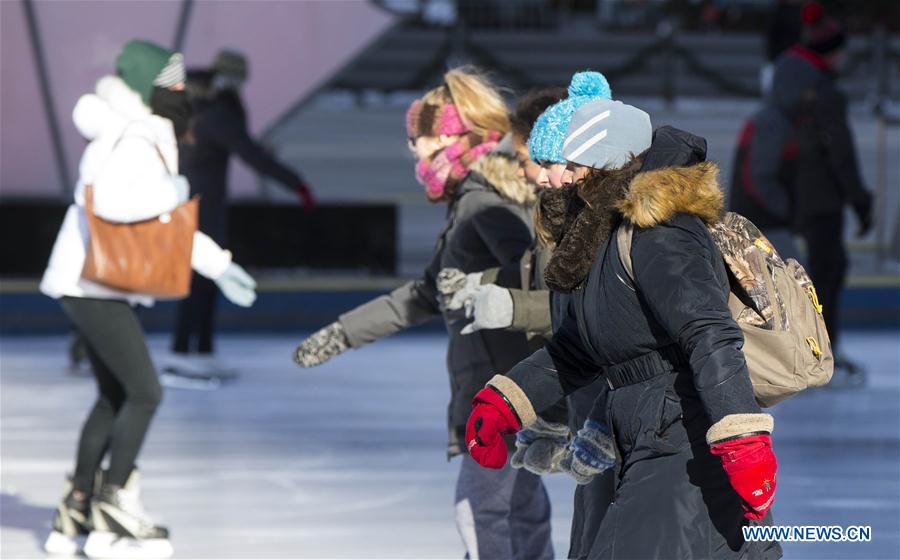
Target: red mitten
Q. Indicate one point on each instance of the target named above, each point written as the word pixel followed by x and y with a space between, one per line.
pixel 306 197
pixel 750 464
pixel 490 420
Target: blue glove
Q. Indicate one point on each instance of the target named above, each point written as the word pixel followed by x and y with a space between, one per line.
pixel 590 452
pixel 540 447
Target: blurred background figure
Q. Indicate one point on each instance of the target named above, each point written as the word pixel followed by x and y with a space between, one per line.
pixel 796 167
pixel 783 31
pixel 218 130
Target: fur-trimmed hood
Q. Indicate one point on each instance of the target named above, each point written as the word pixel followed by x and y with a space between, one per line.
pixel 656 196
pixel 673 178
pixel 501 170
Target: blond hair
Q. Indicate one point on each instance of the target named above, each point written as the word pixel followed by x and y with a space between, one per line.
pixel 477 99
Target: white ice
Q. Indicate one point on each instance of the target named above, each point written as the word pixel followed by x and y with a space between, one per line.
pixel 348 460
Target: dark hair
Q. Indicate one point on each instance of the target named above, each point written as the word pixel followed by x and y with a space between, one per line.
pixel 530 107
pixel 602 188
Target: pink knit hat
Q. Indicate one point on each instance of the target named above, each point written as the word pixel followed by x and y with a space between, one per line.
pixel 425 119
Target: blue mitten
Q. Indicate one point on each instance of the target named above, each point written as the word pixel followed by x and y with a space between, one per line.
pixel 590 452
pixel 540 447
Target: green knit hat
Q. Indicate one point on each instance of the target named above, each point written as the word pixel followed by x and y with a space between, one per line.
pixel 141 65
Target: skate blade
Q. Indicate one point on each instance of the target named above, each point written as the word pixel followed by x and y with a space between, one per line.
pixel 196 383
pixel 109 546
pixel 58 544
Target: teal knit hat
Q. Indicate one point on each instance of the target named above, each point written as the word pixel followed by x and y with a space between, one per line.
pixel 546 140
pixel 141 64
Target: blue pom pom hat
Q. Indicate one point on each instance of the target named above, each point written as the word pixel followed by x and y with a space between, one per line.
pixel 549 132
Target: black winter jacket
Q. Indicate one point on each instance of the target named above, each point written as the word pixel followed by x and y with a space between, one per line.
pixel 674 315
pixel 220 130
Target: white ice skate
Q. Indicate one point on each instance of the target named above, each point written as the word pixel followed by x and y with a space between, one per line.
pixel 71 525
pixel 121 528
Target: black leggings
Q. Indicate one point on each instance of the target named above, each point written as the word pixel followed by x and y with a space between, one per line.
pixel 129 390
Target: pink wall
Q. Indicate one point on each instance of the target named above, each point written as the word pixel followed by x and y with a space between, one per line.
pixel 292 47
pixel 24 132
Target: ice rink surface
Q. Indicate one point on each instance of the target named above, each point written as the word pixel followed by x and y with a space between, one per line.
pixel 348 460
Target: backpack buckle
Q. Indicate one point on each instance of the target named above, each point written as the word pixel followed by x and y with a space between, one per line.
pixel 811 290
pixel 814 346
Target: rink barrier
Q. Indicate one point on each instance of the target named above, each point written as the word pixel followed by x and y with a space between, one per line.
pixel 306 304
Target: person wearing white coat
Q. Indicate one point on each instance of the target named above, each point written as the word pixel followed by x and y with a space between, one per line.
pixel 131 122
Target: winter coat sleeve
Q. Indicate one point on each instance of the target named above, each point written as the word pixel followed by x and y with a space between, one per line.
pixel 673 269
pixel 531 311
pixel 134 184
pixel 207 258
pixel 561 367
pixel 503 231
pixel 837 140
pixel 409 305
pixel 765 161
pixel 230 131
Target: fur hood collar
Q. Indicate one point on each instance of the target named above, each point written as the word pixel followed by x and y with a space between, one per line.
pixel 582 217
pixel 656 196
pixel 501 171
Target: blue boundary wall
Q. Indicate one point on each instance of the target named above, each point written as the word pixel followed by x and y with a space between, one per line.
pixel 29 313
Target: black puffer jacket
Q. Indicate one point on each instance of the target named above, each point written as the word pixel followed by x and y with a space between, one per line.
pixel 680 307
pixel 667 344
pixel 488 225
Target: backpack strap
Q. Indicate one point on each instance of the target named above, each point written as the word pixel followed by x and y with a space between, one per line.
pixel 623 241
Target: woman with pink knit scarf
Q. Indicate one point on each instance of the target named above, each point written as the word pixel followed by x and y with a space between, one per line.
pixel 458 135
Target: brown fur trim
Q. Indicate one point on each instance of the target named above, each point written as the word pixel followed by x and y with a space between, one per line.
pixel 516 397
pixel 501 170
pixel 656 196
pixel 738 424
pixel 586 231
pixel 553 212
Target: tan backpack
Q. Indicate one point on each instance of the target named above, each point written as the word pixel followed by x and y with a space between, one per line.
pixel 774 302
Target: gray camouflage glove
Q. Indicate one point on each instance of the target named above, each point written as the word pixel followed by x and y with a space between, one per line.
pixel 540 447
pixel 321 346
pixel 491 307
pixel 590 452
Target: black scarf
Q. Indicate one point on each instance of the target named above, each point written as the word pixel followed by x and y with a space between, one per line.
pixel 172 105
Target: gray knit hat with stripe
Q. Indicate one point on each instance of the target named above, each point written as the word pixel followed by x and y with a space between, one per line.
pixel 606 134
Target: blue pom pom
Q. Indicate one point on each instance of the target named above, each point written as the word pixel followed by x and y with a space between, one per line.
pixel 590 84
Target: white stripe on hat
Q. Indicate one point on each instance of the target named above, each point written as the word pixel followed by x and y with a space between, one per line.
pixel 590 142
pixel 173 73
pixel 585 126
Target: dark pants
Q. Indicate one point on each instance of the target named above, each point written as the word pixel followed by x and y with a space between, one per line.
pixel 827 258
pixel 592 499
pixel 673 498
pixel 195 317
pixel 502 514
pixel 196 314
pixel 129 391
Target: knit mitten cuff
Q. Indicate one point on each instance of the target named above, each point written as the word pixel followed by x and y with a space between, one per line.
pixel 542 429
pixel 738 425
pixel 516 398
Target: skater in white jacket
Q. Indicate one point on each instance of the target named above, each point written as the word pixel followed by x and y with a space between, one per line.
pixel 132 122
